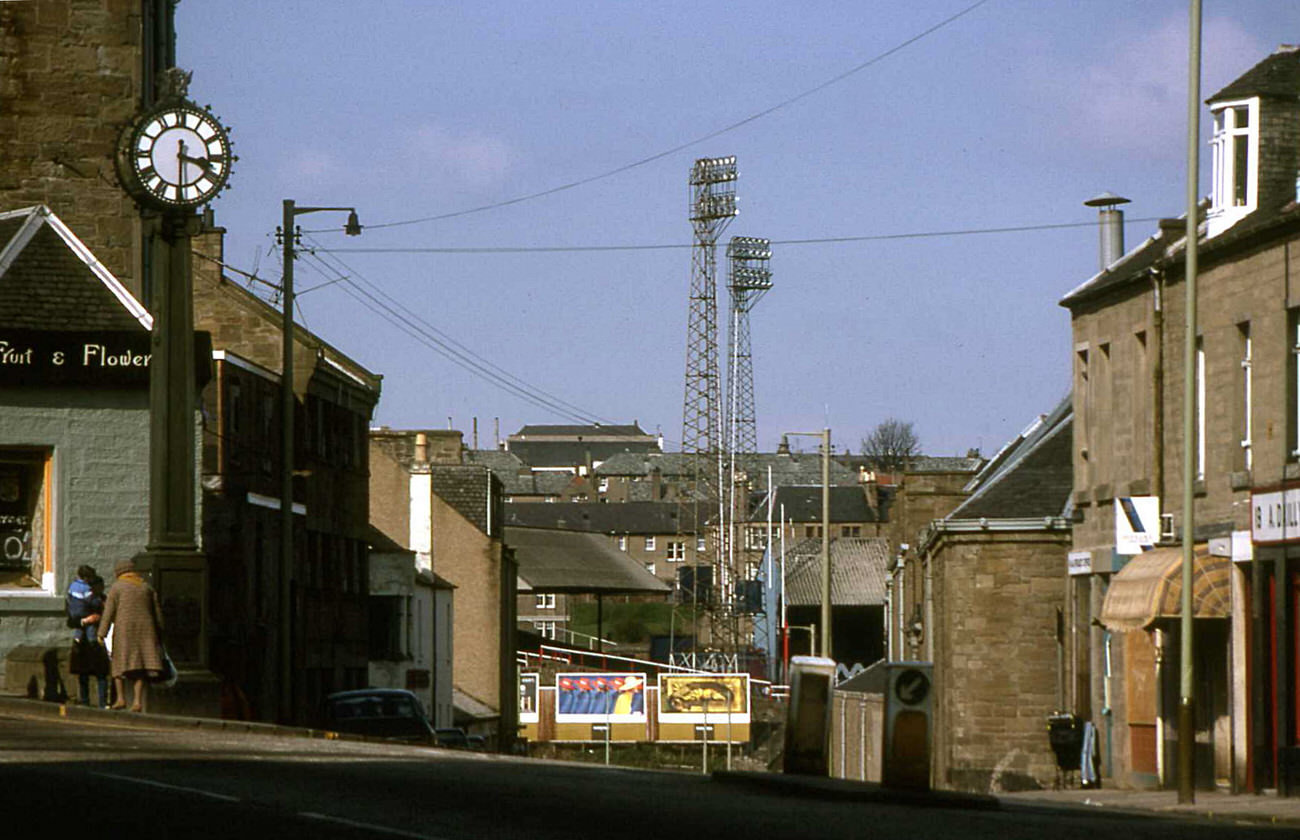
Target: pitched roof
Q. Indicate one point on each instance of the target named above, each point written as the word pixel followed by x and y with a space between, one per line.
pixel 1277 75
pixel 49 279
pixel 614 518
pixel 803 503
pixel 564 453
pixel 467 490
pixel 567 561
pixel 595 430
pixel 858 572
pixel 1032 476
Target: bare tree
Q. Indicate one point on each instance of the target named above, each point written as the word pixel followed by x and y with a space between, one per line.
pixel 891 445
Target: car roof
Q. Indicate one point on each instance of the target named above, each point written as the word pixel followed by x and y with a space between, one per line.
pixel 369 692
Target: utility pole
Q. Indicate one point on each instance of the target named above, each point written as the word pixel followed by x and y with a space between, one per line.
pixel 289 239
pixel 1186 701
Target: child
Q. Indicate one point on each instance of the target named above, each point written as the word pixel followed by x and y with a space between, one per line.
pixel 85 605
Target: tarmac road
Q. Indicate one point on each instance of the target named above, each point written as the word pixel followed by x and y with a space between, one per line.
pixel 105 778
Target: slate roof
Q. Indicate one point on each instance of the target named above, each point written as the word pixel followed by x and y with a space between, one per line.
pixel 803 503
pixel 49 279
pixel 858 572
pixel 615 518
pixel 633 430
pixel 793 468
pixel 568 561
pixel 1032 476
pixel 669 464
pixel 466 489
pixel 1276 75
pixel 563 453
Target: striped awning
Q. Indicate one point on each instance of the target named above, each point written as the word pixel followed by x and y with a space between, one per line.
pixel 1151 587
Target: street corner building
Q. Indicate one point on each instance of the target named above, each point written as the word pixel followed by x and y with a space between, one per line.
pixel 1130 345
pixel 74 436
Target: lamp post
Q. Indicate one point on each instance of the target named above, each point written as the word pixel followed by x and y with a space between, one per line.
pixel 825 435
pixel 289 236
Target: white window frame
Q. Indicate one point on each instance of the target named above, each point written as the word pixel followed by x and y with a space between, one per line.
pixel 545 600
pixel 545 629
pixel 1247 394
pixel 676 551
pixel 622 543
pixel 649 543
pixel 701 545
pixel 1295 366
pixel 1224 209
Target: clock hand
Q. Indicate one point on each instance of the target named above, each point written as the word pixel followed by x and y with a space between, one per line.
pixel 202 163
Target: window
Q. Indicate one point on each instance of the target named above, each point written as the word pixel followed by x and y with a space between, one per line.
pixel 26 553
pixel 756 538
pixel 1293 366
pixel 810 531
pixel 386 627
pixel 546 600
pixel 622 543
pixel 650 567
pixel 1235 147
pixel 699 544
pixel 649 543
pixel 603 485
pixel 1082 416
pixel 1245 413
pixel 545 629
pixel 676 551
pixel 850 530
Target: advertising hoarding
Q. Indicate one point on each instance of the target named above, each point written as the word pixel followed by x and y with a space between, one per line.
pixel 703 698
pixel 600 698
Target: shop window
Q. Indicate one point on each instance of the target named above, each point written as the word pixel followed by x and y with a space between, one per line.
pixel 26 554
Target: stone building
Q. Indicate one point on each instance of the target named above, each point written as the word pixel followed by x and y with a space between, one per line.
pixel 985 608
pixel 242 462
pixel 1129 326
pixel 74 434
pixel 72 75
pixel 450 514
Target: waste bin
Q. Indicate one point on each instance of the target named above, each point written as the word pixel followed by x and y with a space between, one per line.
pixel 1065 734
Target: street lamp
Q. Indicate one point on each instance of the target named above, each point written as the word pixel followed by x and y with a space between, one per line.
pixel 825 435
pixel 289 236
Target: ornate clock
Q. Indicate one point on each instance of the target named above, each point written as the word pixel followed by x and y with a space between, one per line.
pixel 176 156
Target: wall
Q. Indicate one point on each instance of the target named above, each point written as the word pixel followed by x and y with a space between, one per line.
pixel 995 666
pixel 100 441
pixel 69 80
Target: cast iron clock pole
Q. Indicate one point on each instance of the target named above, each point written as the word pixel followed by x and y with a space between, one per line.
pixel 288 236
pixel 172 159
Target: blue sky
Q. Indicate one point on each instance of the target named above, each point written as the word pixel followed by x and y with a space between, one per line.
pixel 1012 115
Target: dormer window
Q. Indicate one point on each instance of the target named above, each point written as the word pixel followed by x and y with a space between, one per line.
pixel 1236 153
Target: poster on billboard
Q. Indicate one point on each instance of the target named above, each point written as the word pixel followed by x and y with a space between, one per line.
pixel 597 698
pixel 529 685
pixel 689 698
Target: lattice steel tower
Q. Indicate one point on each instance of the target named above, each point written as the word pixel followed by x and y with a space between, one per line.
pixel 713 206
pixel 748 279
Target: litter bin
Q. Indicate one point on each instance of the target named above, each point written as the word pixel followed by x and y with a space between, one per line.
pixel 1065 734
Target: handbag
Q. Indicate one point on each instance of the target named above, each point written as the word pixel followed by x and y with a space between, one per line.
pixel 168 676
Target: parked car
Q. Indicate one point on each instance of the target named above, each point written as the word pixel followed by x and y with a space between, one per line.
pixel 390 713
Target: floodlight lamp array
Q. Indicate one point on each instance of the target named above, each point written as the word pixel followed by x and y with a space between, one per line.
pixel 713 170
pixel 749 248
pixel 749 277
pixel 713 206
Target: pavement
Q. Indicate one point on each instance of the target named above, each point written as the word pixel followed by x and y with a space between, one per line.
pixel 1214 806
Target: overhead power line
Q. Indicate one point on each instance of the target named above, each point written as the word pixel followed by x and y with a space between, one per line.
pixel 825 240
pixel 689 143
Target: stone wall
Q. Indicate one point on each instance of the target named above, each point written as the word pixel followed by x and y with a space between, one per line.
pixel 995 600
pixel 69 82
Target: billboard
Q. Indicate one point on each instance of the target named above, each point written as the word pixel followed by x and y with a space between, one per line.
pixel 689 698
pixel 598 698
pixel 528 705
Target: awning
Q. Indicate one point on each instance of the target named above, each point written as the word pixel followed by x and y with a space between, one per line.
pixel 1151 587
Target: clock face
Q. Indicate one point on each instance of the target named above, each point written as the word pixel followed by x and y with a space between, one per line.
pixel 178 156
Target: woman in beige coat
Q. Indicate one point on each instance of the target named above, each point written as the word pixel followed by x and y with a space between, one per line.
pixel 132 608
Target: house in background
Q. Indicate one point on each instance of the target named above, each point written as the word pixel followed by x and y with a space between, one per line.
pixel 450 515
pixel 983 600
pixel 410 629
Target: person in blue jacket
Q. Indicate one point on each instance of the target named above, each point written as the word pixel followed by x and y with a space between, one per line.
pixel 85 604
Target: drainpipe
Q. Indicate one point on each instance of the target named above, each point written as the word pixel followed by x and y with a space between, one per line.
pixel 1158 384
pixel 929 612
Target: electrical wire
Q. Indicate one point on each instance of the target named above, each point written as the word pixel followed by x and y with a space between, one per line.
pixel 686 145
pixel 394 312
pixel 827 240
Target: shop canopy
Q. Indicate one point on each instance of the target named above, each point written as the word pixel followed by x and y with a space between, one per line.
pixel 1151 587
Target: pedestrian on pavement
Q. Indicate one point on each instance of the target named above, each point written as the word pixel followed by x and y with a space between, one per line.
pixel 89 658
pixel 133 614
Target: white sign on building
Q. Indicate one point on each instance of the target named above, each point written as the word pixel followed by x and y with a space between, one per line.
pixel 1275 516
pixel 1079 562
pixel 1137 523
